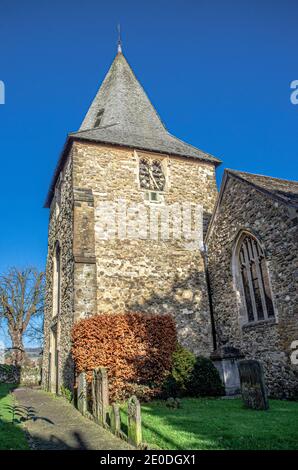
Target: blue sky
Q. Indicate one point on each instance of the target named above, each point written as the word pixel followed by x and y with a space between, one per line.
pixel 218 72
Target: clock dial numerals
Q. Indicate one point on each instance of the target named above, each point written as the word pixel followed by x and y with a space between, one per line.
pixel 144 174
pixel 151 175
pixel 158 176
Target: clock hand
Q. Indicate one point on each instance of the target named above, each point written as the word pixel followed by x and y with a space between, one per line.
pixel 153 179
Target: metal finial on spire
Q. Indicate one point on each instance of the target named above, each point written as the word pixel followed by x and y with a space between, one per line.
pixel 119 40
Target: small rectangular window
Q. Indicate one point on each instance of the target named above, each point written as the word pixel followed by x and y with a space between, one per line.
pixel 153 196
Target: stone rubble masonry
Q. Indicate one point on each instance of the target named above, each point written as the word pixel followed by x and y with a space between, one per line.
pixel 244 207
pixel 61 230
pixel 23 375
pixel 124 275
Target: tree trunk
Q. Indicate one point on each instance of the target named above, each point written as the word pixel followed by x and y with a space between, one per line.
pixel 18 351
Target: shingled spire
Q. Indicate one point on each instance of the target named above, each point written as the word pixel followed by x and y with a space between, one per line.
pixel 122 102
pixel 122 114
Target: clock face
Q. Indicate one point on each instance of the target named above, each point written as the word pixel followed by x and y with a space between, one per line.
pixel 152 175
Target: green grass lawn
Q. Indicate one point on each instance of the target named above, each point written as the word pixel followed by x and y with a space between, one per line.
pixel 220 424
pixel 11 434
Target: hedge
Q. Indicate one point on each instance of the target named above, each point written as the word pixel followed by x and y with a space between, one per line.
pixel 135 348
pixel 191 376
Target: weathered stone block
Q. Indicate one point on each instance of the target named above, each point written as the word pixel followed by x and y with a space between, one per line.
pixel 252 382
pixel 225 359
pixel 115 419
pixel 82 393
pixel 134 421
pixel 100 395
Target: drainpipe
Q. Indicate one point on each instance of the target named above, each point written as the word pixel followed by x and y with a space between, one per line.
pixel 205 257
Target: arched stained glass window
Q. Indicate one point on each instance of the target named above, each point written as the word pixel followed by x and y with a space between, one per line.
pixel 255 279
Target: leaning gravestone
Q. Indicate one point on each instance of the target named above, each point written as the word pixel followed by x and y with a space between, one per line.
pixel 82 393
pixel 252 383
pixel 115 419
pixel 134 421
pixel 100 395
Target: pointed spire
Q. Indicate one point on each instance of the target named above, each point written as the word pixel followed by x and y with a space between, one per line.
pixel 122 101
pixel 119 39
pixel 121 113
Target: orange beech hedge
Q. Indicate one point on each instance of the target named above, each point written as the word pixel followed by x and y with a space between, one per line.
pixel 135 348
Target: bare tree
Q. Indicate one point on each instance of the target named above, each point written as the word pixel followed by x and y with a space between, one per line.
pixel 21 303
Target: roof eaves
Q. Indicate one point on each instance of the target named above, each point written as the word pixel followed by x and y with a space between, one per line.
pixel 204 157
pixel 208 155
pixel 57 170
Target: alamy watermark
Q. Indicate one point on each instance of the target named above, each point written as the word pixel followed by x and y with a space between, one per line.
pixel 294 94
pixel 2 92
pixel 140 221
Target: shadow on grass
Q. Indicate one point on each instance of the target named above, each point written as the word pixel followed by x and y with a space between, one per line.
pixel 14 413
pixel 154 430
pixel 12 435
pixel 205 424
pixel 21 414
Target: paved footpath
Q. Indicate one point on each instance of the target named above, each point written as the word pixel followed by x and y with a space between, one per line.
pixel 53 423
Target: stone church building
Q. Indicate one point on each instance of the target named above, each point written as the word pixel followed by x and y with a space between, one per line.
pixel 252 244
pixel 123 202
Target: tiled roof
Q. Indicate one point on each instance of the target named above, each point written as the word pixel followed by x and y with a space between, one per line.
pixel 286 190
pixel 163 143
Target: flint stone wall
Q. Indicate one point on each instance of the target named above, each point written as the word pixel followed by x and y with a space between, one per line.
pixel 22 375
pixel 272 222
pixel 61 230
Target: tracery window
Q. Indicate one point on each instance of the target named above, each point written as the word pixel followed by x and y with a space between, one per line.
pixel 255 279
pixel 151 175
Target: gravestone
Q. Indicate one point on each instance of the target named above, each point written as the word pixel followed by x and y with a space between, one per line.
pixel 134 421
pixel 252 383
pixel 100 395
pixel 115 419
pixel 225 359
pixel 82 393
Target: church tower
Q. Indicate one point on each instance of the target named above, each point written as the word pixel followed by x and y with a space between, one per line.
pixel 128 203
